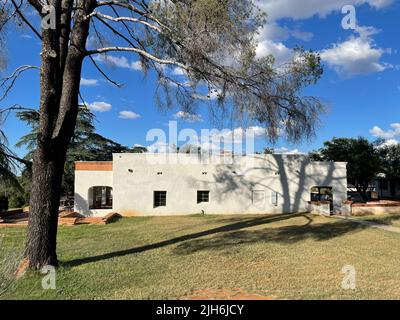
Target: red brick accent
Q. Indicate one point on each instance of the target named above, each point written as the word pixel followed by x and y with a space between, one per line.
pixel 94 166
pixel 377 204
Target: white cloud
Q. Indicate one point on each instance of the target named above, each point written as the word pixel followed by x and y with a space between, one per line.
pixel 161 147
pixel 305 9
pixel 390 142
pixel 128 115
pixel 188 117
pixel 89 82
pixel 273 31
pixel 388 134
pixel 212 95
pixel 284 150
pixel 236 135
pixel 179 72
pixel 272 35
pixel 280 52
pixel 215 140
pixel 357 55
pixel 120 62
pixel 302 35
pixel 99 106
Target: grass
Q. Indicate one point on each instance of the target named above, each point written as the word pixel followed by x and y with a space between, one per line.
pixel 286 256
pixel 387 219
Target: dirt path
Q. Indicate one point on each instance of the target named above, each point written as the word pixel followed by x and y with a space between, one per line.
pixel 370 224
pixel 237 294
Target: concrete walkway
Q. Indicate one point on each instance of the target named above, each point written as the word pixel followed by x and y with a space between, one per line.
pixel 370 224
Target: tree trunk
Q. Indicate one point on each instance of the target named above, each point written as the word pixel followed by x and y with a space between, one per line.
pixel 364 194
pixel 45 197
pixel 59 90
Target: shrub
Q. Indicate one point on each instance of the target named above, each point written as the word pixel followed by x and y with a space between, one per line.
pixel 3 203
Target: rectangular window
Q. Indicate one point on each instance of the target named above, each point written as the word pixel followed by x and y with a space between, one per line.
pixel 203 196
pixel 274 198
pixel 160 199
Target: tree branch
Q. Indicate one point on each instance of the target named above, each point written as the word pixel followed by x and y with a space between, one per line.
pixel 37 5
pixel 133 9
pixel 104 74
pixel 17 9
pixel 143 53
pixel 8 82
pixel 119 19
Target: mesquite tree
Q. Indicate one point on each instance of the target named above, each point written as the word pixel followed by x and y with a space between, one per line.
pixel 212 42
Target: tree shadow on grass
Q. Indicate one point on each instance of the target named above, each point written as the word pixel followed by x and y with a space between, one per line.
pixel 232 234
pixel 382 220
pixel 285 235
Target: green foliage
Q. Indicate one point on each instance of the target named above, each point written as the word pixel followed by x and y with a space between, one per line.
pixel 362 157
pixel 268 151
pixel 8 164
pixel 86 145
pixel 215 42
pixel 390 161
pixel 3 203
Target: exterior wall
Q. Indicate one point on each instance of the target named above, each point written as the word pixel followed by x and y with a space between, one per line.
pixel 231 186
pixel 321 208
pixel 360 209
pixel 84 180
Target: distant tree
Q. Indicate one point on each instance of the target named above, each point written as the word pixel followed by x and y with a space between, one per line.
pixel 8 164
pixel 138 149
pixel 390 162
pixel 268 151
pixel 362 157
pixel 86 144
pixel 11 190
pixel 189 149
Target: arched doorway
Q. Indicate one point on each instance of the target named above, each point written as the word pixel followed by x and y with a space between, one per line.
pixel 100 197
pixel 322 193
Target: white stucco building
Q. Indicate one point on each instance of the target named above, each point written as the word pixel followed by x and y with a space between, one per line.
pixel 180 184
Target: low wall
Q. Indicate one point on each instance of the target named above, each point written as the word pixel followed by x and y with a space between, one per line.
pixel 320 208
pixel 375 208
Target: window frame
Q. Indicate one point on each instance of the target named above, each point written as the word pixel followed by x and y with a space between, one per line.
pixel 101 198
pixel 274 198
pixel 201 198
pixel 159 198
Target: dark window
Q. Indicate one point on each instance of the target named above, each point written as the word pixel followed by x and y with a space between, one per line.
pixel 203 196
pixel 101 198
pixel 160 199
pixel 383 184
pixel 322 194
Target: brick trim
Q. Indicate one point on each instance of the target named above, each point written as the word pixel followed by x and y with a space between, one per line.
pixel 94 166
pixel 379 205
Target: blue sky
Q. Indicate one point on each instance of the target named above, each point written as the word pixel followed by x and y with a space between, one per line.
pixel 361 82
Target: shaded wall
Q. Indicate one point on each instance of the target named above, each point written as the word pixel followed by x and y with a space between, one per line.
pixel 245 185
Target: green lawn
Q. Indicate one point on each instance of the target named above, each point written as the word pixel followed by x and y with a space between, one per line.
pixel 286 256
